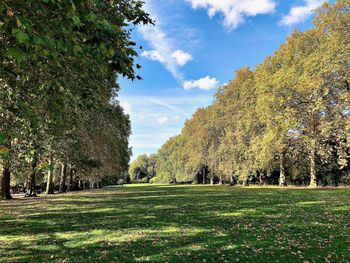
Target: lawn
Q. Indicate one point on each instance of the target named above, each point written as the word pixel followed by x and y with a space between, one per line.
pixel 179 224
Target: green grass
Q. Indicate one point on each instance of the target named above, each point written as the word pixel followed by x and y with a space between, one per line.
pixel 179 224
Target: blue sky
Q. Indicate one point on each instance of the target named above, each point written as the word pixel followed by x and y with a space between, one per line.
pixel 195 47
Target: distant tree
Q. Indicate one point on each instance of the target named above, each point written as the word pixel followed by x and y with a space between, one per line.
pixel 139 168
pixel 290 116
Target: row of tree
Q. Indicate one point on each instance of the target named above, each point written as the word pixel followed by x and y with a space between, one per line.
pixel 59 62
pixel 286 121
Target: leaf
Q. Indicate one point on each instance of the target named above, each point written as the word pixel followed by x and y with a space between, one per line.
pixel 18 22
pixel 2 138
pixel 111 52
pixel 76 21
pixel 4 150
pixel 73 6
pixel 9 13
pixel 77 49
pixel 17 53
pixel 21 37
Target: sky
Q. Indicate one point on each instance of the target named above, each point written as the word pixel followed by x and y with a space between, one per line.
pixel 194 48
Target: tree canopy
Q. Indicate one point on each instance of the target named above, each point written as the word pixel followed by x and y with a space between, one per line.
pixel 286 121
pixel 59 66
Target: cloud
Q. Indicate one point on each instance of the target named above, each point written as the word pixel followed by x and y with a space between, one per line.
pixel 234 11
pixel 162 120
pixel 127 107
pixel 163 103
pixel 153 55
pixel 206 83
pixel 165 49
pixel 146 110
pixel 299 14
pixel 162 49
pixel 181 57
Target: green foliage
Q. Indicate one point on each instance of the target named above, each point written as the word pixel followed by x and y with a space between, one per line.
pixel 171 164
pixel 59 66
pixel 289 116
pixel 143 168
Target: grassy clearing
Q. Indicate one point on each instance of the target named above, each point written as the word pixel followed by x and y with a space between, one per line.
pixel 179 224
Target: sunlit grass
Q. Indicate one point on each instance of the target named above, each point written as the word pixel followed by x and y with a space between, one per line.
pixel 162 223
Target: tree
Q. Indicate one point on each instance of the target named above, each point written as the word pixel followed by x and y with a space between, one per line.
pixel 289 115
pixel 59 58
pixel 139 168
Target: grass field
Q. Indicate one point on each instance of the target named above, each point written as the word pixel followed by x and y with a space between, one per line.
pixel 179 224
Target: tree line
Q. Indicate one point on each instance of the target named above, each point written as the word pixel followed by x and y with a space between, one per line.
pixel 285 122
pixel 60 120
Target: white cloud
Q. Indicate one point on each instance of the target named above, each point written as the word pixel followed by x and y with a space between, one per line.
pixel 163 103
pixel 127 107
pixel 181 57
pixel 162 120
pixel 206 83
pixel 299 14
pixel 146 110
pixel 165 49
pixel 234 11
pixel 153 55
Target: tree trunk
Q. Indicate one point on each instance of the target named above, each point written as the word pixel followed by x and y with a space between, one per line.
pixel 63 187
pixel 5 180
pixel 71 179
pixel 49 186
pixel 31 179
pixel 262 179
pixel 203 175
pixel 233 180
pixel 211 180
pixel 246 175
pixel 282 179
pixel 313 173
pixel 220 180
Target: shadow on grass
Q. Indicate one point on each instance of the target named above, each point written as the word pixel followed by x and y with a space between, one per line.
pixel 178 224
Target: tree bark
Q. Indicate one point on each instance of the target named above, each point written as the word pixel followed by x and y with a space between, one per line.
pixel 313 172
pixel 220 180
pixel 262 178
pixel 233 180
pixel 31 179
pixel 211 180
pixel 71 179
pixel 63 187
pixel 203 175
pixel 5 180
pixel 282 179
pixel 49 186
